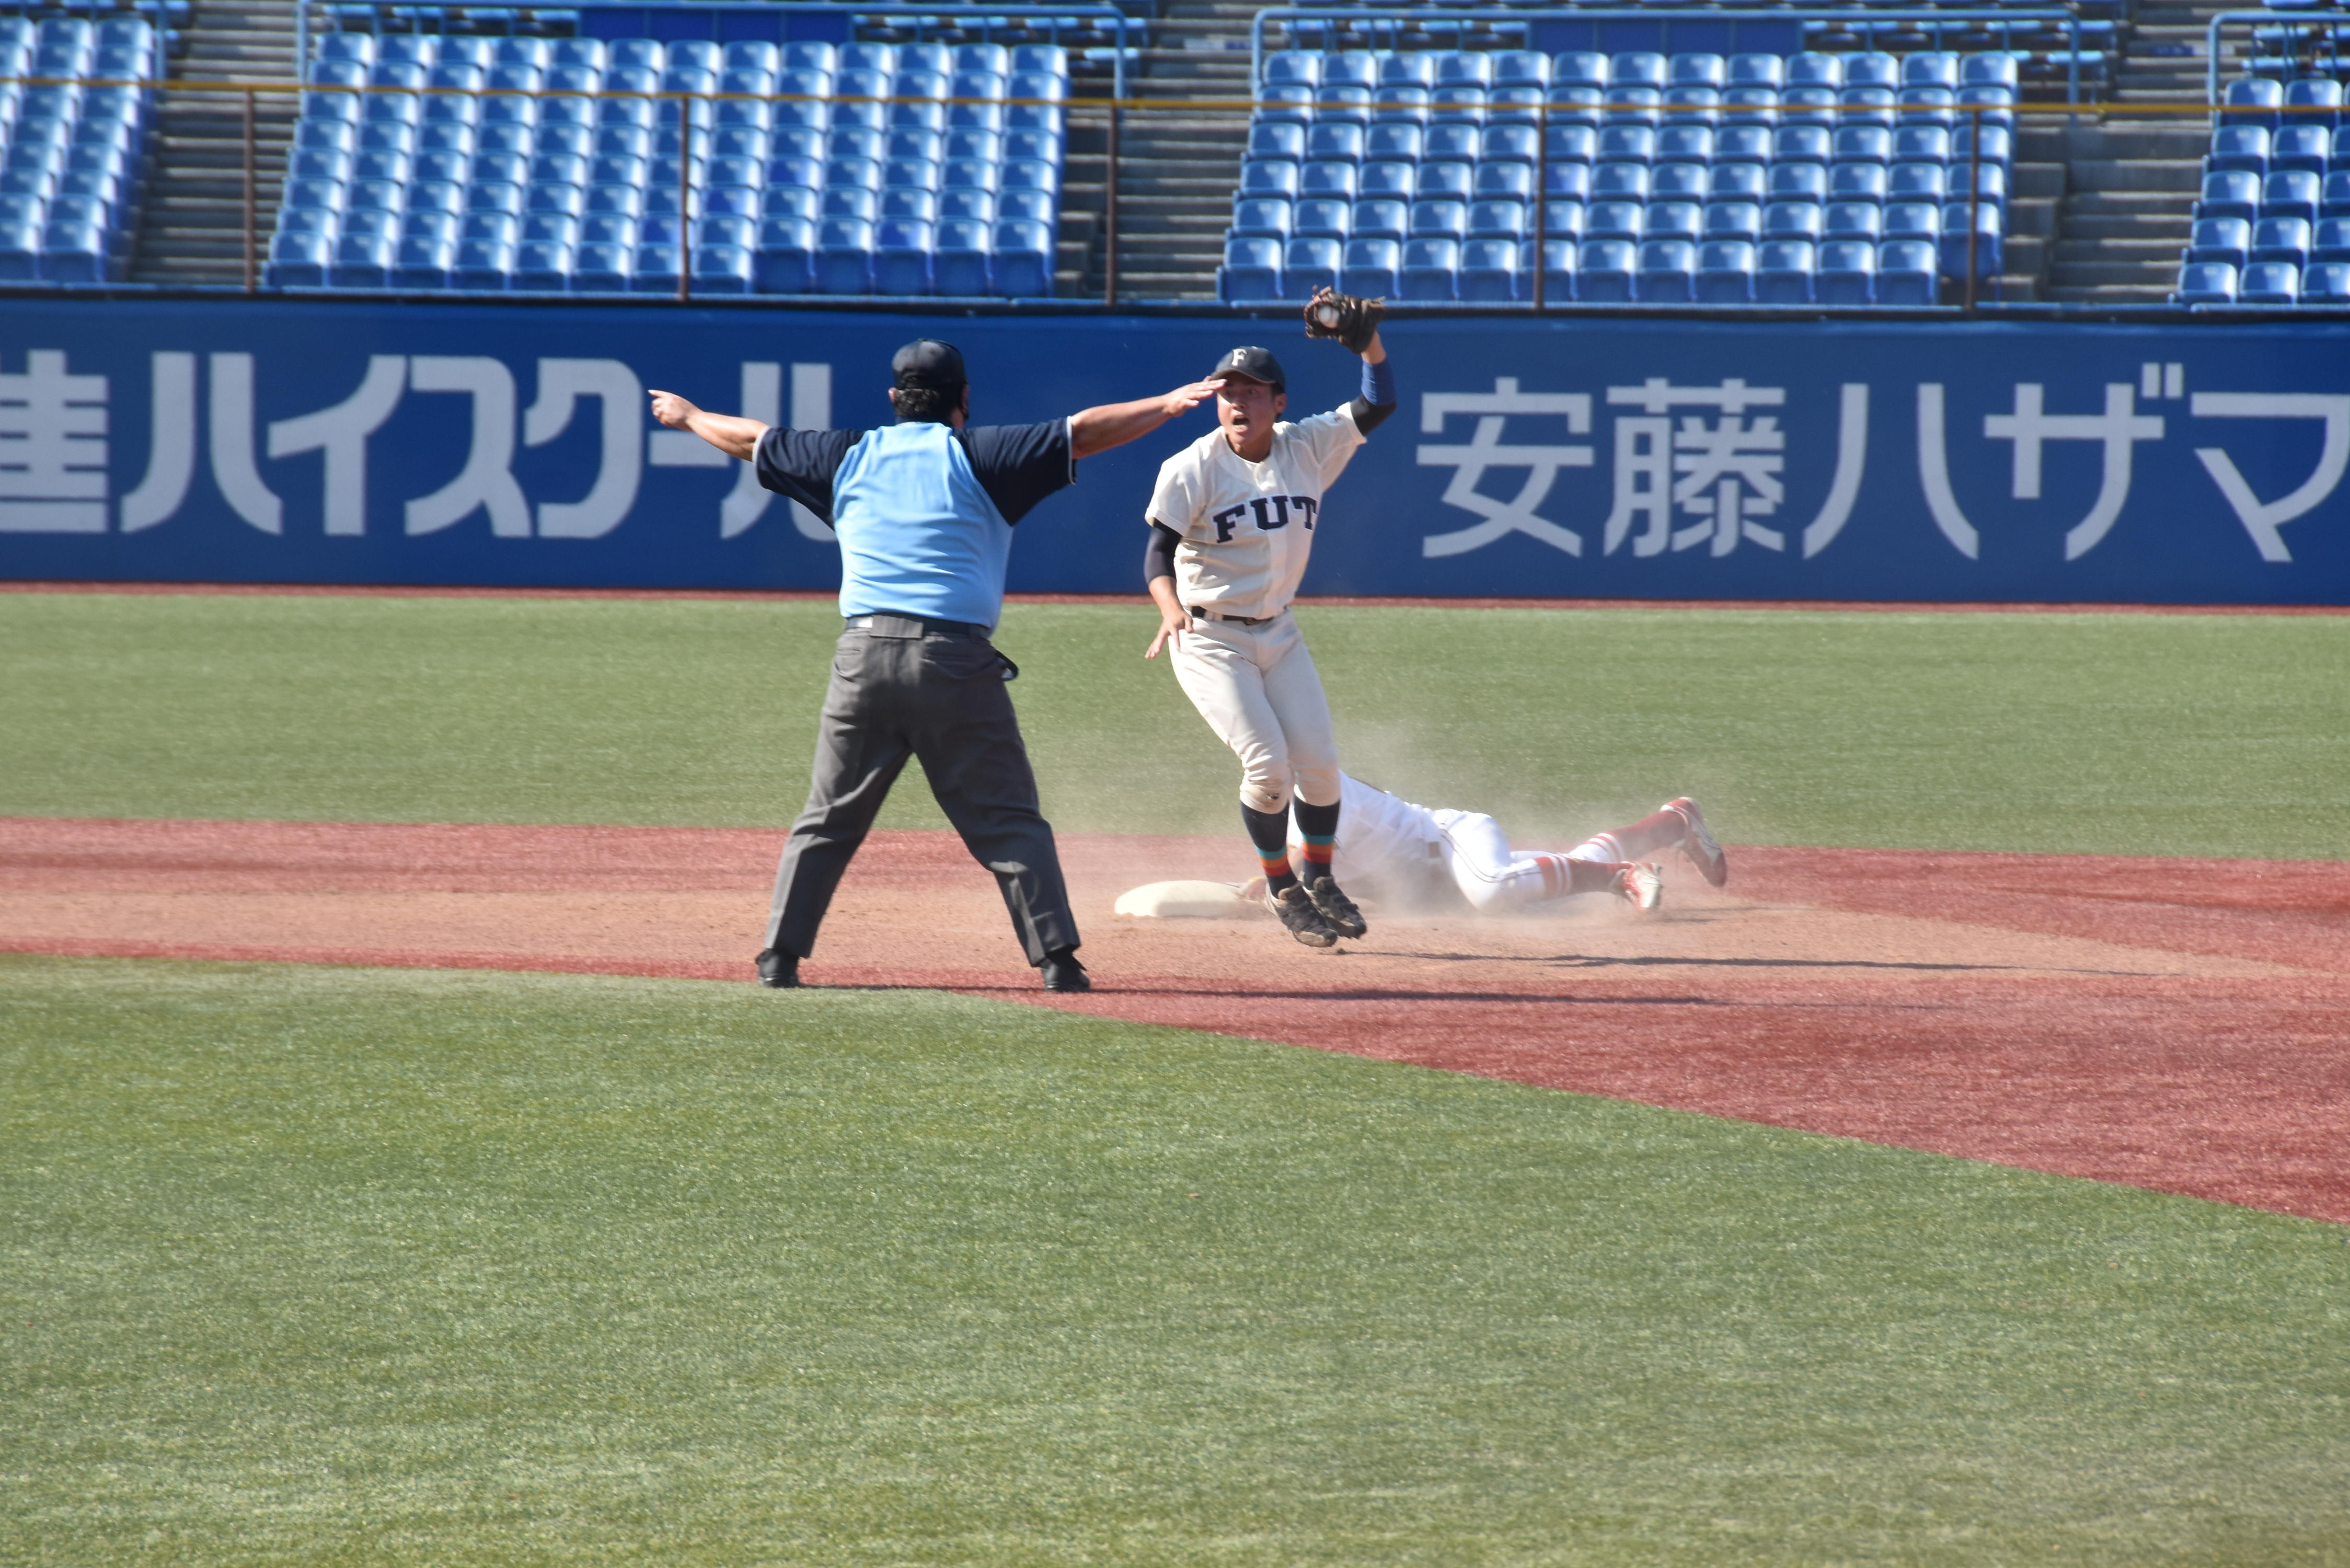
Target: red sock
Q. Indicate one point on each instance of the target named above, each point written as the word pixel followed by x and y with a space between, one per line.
pixel 1563 877
pixel 1660 829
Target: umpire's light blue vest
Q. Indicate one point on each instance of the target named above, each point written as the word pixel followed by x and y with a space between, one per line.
pixel 917 535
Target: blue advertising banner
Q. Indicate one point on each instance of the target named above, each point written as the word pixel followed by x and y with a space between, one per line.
pixel 321 442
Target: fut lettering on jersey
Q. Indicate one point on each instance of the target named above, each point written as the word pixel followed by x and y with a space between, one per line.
pixel 1306 507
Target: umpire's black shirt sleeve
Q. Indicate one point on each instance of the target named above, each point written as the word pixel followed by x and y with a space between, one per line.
pixel 801 464
pixel 1019 465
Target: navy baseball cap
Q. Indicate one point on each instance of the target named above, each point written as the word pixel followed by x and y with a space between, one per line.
pixel 927 362
pixel 1256 364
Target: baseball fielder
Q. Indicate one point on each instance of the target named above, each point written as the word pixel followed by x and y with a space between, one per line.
pixel 1416 856
pixel 1231 524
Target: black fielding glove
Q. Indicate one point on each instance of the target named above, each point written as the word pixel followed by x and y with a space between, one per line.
pixel 1352 322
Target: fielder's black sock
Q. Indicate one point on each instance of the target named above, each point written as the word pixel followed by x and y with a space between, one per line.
pixel 1269 831
pixel 1318 826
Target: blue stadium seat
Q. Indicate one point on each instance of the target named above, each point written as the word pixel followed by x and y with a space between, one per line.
pixel 1678 183
pixel 1725 272
pixel 1343 141
pixel 1330 178
pixel 1913 221
pixel 1733 221
pixel 1251 271
pixel 1989 228
pixel 2327 283
pixel 1754 70
pixel 482 265
pixel 1022 266
pixel 1736 183
pixel 1497 220
pixel 1906 273
pixel 1685 144
pixel 297 260
pixel 2293 193
pixel 1856 183
pixel 1812 108
pixel 843 256
pixel 541 267
pixel 1632 106
pixel 1994 183
pixel 1440 182
pixel 1998 145
pixel 1917 182
pixel 1988 106
pixel 1559 272
pixel 1393 143
pixel 1567 183
pixel 1750 108
pixel 1578 106
pixel 1269 177
pixel 1510 182
pixel 2300 147
pixel 1579 68
pixel 1801 144
pixel 1631 143
pixel 1388 178
pixel 1308 264
pixel 1371 267
pixel 1797 182
pixel 1438 220
pixel 1619 183
pixel 1489 270
pixel 1261 218
pixel 1691 108
pixel 2281 240
pixel 1867 144
pixel 1450 143
pixel 1856 221
pixel 1604 271
pixel 1381 217
pixel 2250 101
pixel 2239 147
pixel 1847 273
pixel 1322 220
pixel 1431 269
pixel 2312 100
pixel 1570 144
pixel 1276 138
pixel 1925 108
pixel 2330 242
pixel 2268 282
pixel 1668 272
pixel 961 256
pixel 1674 221
pixel 1624 220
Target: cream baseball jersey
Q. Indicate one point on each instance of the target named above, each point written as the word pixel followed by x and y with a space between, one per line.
pixel 1248 527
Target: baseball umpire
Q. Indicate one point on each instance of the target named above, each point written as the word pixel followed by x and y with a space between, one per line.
pixel 924 510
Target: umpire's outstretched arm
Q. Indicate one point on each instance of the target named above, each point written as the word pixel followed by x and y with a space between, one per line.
pixel 1091 431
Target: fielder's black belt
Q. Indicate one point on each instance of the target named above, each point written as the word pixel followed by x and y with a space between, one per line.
pixel 915 625
pixel 1235 619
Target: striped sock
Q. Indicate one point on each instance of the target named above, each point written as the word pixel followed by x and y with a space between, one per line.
pixel 1317 826
pixel 1662 829
pixel 1269 831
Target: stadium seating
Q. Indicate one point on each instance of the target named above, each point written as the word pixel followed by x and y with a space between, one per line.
pixel 1690 179
pixel 913 169
pixel 2272 219
pixel 73 151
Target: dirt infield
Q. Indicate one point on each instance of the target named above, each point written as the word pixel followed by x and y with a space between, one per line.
pixel 2180 1025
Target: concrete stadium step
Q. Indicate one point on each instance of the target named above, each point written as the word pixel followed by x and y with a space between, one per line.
pixel 193 226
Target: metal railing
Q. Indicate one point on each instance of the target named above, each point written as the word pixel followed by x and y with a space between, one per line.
pixel 1117 19
pixel 2336 23
pixel 2009 19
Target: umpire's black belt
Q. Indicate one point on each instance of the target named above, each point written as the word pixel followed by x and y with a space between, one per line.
pixel 916 626
pixel 1235 619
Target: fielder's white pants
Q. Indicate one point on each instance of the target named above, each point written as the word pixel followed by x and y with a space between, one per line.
pixel 1492 876
pixel 1258 689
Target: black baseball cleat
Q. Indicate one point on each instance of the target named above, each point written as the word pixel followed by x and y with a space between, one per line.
pixel 1335 907
pixel 780 971
pixel 1303 920
pixel 1064 973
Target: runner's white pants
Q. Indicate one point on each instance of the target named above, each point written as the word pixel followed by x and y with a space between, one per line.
pixel 1488 872
pixel 1258 689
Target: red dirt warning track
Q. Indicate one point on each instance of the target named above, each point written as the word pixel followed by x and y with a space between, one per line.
pixel 2178 1025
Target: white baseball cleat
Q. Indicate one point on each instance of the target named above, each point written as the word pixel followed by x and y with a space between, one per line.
pixel 1642 885
pixel 1699 847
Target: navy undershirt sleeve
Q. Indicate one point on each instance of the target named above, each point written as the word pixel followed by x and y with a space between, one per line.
pixel 1019 465
pixel 801 464
pixel 1159 554
pixel 1378 397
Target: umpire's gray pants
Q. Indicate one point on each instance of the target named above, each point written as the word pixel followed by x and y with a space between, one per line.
pixel 898 692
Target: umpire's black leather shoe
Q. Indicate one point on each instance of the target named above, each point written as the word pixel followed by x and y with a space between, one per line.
pixel 1064 973
pixel 779 970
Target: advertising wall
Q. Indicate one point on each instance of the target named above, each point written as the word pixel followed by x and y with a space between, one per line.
pixel 316 443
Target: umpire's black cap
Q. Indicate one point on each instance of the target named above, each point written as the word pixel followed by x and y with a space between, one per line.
pixel 1256 364
pixel 927 362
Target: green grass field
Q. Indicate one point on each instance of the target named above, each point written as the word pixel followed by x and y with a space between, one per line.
pixel 2097 733
pixel 309 1265
pixel 349 1266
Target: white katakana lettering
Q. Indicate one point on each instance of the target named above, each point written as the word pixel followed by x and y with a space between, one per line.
pixel 561 384
pixel 486 482
pixel 341 433
pixel 232 464
pixel 2262 519
pixel 2120 428
pixel 170 443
